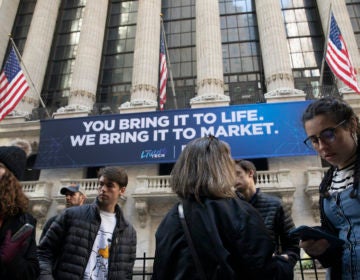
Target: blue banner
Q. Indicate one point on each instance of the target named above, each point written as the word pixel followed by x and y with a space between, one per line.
pixel 252 131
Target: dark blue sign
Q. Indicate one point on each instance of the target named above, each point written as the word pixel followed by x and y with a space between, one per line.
pixel 252 131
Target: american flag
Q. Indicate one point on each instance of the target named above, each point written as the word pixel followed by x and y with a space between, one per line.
pixel 338 58
pixel 13 85
pixel 163 73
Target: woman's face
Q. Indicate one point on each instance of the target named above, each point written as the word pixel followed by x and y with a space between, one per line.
pixel 340 150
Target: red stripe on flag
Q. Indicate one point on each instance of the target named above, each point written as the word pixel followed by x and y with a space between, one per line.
pixel 163 74
pixel 338 58
pixel 13 85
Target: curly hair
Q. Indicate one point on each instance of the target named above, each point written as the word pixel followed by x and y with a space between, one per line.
pixel 12 198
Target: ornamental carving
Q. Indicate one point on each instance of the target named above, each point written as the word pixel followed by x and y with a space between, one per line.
pixel 208 82
pixel 30 100
pixel 210 98
pixel 82 93
pixel 147 87
pixel 39 210
pixel 279 76
pixel 142 210
pixel 280 92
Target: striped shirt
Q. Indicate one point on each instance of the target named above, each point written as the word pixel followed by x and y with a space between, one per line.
pixel 342 179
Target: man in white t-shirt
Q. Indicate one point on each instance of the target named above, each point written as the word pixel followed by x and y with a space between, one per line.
pixel 92 241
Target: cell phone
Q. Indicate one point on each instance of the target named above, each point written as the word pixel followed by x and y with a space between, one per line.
pixel 307 233
pixel 23 230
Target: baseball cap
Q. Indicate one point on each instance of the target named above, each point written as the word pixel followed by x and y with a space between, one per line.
pixel 72 188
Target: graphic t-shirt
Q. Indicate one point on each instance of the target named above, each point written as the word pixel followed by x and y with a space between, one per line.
pixel 97 267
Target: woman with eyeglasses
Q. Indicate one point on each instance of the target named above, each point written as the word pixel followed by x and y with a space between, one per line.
pixel 333 130
pixel 212 233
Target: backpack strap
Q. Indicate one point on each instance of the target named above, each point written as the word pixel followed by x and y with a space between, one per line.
pixel 190 243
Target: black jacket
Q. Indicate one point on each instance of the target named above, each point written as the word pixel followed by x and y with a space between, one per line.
pixel 25 266
pixel 70 238
pixel 47 226
pixel 229 237
pixel 279 222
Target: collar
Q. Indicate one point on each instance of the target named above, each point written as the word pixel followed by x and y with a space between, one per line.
pixel 253 198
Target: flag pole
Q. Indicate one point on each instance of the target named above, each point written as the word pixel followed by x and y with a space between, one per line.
pixel 168 62
pixel 28 75
pixel 325 47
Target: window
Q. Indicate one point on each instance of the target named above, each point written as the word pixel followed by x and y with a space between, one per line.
pixel 118 52
pixel 241 51
pixel 62 57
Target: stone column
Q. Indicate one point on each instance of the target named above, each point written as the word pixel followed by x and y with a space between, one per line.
pixel 145 76
pixel 210 80
pixel 275 54
pixel 8 11
pixel 37 50
pixel 341 14
pixel 88 58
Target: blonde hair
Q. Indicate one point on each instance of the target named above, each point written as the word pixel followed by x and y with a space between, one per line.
pixel 205 168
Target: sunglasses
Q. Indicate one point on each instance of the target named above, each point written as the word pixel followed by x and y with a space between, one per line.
pixel 326 136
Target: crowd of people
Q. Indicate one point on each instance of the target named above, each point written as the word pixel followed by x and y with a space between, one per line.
pixel 223 227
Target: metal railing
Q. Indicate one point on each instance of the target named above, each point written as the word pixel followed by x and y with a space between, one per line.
pixel 305 269
pixel 316 92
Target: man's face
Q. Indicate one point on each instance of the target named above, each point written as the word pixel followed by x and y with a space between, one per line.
pixel 73 199
pixel 243 179
pixel 109 193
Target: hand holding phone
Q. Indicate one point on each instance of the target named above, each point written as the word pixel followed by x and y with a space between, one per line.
pixel 306 233
pixel 25 230
pixel 12 245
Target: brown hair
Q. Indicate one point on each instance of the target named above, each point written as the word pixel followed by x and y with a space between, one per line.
pixel 336 110
pixel 205 168
pixel 12 198
pixel 116 174
pixel 247 166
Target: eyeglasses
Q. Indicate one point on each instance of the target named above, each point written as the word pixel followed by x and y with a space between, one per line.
pixel 326 136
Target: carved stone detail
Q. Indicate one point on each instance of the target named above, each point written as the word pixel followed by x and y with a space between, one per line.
pixel 210 98
pixel 73 108
pixel 146 87
pixel 213 82
pixel 141 207
pixel 30 100
pixel 83 93
pixel 39 210
pixel 284 92
pixel 138 103
pixel 279 76
pixel 313 195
